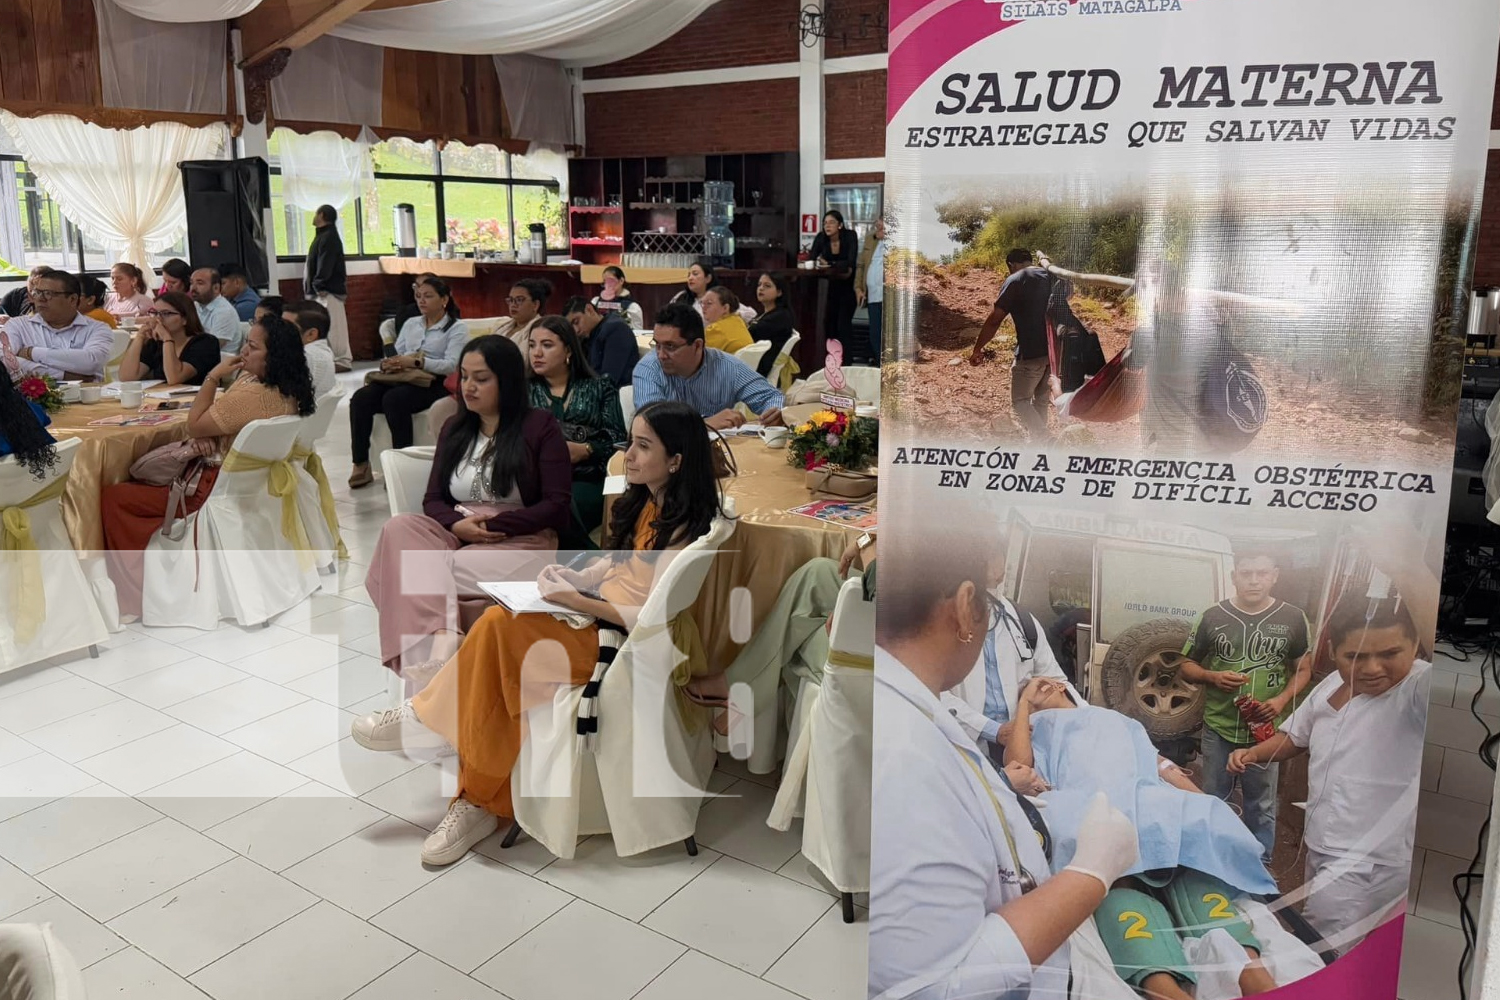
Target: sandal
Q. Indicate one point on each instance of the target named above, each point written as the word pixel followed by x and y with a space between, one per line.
pixel 361 477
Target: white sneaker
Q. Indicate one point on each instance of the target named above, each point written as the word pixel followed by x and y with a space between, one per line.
pixel 395 729
pixel 465 825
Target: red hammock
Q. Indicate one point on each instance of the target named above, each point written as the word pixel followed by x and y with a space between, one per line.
pixel 1116 393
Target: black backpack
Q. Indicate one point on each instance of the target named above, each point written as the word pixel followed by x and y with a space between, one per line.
pixel 1232 402
pixel 1079 356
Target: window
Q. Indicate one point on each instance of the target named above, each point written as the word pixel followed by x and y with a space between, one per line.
pixel 39 233
pixel 475 197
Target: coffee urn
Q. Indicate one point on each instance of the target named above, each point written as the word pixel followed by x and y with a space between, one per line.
pixel 404 226
pixel 538 243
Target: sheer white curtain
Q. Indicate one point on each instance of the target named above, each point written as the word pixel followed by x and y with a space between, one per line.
pixel 147 64
pixel 331 80
pixel 580 32
pixel 324 168
pixel 122 188
pixel 538 96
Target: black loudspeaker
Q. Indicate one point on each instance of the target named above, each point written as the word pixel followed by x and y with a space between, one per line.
pixel 226 204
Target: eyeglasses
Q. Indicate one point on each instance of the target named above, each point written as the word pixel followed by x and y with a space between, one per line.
pixel 518 300
pixel 163 312
pixel 667 349
pixel 47 294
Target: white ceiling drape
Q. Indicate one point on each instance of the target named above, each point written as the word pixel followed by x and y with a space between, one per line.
pixel 331 80
pixel 121 187
pixel 188 10
pixel 146 64
pixel 538 96
pixel 578 32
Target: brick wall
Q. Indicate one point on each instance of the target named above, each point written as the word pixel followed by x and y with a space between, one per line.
pixel 730 33
pixel 852 13
pixel 854 116
pixel 870 178
pixel 682 121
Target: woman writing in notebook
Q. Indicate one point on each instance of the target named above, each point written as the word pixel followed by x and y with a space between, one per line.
pixel 476 701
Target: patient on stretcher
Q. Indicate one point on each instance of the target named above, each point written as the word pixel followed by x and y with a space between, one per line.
pixel 1196 856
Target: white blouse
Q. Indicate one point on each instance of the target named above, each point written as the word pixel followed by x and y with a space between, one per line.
pixel 471 479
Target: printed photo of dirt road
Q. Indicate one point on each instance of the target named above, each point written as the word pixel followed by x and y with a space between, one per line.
pixel 1181 327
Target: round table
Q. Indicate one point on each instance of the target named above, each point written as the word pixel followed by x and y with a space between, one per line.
pixel 103 459
pixel 768 545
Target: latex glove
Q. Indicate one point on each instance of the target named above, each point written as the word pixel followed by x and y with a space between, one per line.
pixel 1107 846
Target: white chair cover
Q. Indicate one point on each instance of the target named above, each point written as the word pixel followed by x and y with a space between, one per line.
pixel 422 432
pixel 309 502
pixel 116 351
pixel 232 561
pixel 627 406
pixel 406 474
pixel 830 753
pixel 785 357
pixel 753 354
pixel 70 623
pixel 34 965
pixel 646 780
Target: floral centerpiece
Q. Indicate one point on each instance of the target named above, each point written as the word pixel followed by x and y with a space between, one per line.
pixel 838 451
pixel 43 391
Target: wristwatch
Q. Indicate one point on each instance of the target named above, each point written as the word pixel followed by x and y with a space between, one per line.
pixel 865 541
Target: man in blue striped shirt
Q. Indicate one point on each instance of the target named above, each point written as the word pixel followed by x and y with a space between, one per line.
pixel 683 368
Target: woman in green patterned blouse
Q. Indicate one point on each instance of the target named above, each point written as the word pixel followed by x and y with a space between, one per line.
pixel 587 406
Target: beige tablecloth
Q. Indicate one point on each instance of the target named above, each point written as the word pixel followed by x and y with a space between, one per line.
pixel 102 460
pixel 768 544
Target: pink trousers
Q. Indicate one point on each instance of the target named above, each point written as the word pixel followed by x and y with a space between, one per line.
pixel 423 581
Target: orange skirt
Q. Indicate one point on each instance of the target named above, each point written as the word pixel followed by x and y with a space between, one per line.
pixel 507 664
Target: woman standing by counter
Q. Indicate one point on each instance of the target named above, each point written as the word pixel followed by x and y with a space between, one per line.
pixel 836 248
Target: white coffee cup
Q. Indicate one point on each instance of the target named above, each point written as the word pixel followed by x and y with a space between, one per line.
pixel 89 392
pixel 131 395
pixel 775 437
pixel 70 393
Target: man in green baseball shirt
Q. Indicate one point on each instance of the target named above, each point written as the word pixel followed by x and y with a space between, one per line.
pixel 1254 646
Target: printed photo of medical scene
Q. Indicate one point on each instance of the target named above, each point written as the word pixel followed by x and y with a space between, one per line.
pixel 1141 758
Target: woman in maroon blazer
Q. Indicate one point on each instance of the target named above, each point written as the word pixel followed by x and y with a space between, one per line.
pixel 500 492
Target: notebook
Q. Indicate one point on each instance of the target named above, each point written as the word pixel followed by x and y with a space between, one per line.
pixel 522 598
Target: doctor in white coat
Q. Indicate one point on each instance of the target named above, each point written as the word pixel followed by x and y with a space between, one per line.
pixel 984 702
pixel 963 902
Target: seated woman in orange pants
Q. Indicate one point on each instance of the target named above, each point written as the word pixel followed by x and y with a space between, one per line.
pixel 475 702
pixel 273 382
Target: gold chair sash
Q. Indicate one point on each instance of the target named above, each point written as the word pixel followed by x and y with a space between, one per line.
pixel 28 596
pixel 282 484
pixel 313 463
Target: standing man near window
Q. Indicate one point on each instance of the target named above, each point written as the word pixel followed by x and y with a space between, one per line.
pixel 327 282
pixel 869 287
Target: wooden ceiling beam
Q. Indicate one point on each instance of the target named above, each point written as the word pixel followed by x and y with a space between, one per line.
pixel 291 24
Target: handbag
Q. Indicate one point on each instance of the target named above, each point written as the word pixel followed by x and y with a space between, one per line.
pixel 164 465
pixel 724 464
pixel 419 377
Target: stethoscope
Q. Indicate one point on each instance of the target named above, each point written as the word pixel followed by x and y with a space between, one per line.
pixel 1024 878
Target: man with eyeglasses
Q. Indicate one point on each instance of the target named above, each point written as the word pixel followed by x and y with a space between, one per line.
pixel 1015 650
pixel 681 367
pixel 17 301
pixel 57 339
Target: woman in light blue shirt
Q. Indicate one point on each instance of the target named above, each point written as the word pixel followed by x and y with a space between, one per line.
pixel 427 350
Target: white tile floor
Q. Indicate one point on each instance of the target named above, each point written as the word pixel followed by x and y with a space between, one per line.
pixel 189 814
